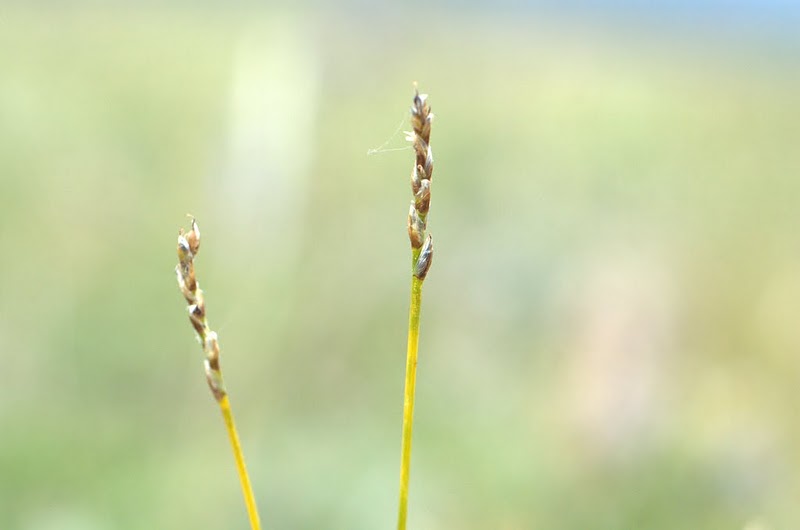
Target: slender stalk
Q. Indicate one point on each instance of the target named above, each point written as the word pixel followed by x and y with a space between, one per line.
pixel 408 404
pixel 241 468
pixel 188 246
pixel 421 258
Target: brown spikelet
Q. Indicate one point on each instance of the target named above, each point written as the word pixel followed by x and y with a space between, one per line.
pixel 425 259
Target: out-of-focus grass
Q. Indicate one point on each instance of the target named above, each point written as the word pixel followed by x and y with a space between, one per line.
pixel 610 333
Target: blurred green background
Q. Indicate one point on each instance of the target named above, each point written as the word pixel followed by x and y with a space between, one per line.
pixel 611 326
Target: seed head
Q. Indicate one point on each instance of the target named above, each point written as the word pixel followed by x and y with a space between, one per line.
pixel 188 246
pixel 420 136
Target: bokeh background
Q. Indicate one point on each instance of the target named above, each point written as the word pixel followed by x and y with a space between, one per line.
pixel 611 327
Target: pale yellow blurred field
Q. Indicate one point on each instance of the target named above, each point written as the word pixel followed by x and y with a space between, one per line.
pixel 611 327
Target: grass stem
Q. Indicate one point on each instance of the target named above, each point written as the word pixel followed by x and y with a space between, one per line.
pixel 421 259
pixel 408 400
pixel 241 468
pixel 188 247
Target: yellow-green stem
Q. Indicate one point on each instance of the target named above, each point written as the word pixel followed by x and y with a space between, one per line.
pixel 238 455
pixel 408 402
